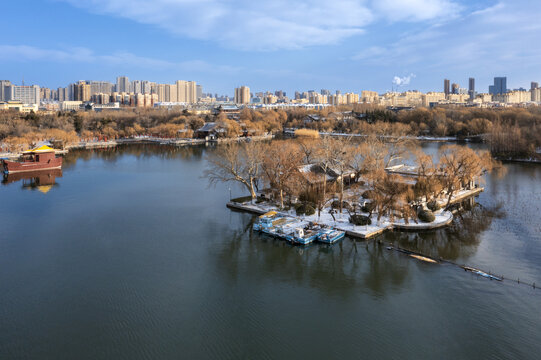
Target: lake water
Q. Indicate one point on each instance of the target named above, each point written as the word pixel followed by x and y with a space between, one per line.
pixel 131 256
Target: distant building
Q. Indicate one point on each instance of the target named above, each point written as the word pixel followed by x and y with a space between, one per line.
pixel 454 88
pixel 5 90
pixel 136 87
pixel 25 94
pixel 70 105
pixel 199 92
pixel 45 94
pixel 100 87
pixel 536 94
pixel 499 87
pixel 471 88
pixel 122 84
pixel 18 106
pixel 81 91
pixel 534 89
pixel 446 86
pixel 431 98
pixel 369 96
pixel 147 87
pixel 513 97
pixel 62 94
pixel 186 91
pixel 242 95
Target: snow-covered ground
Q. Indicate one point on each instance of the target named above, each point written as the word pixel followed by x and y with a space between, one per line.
pixel 421 138
pixel 341 221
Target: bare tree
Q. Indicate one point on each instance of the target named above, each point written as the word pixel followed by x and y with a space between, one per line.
pixel 281 160
pixel 429 182
pixel 328 150
pixel 460 166
pixel 341 162
pixel 236 163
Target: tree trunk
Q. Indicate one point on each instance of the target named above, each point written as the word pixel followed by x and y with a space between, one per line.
pixel 282 198
pixel 341 191
pixel 252 190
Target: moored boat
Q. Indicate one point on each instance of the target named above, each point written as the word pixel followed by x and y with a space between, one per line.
pixel 303 236
pixel 41 158
pixel 330 236
pixel 265 220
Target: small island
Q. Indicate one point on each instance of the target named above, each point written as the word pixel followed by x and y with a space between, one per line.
pixel 362 187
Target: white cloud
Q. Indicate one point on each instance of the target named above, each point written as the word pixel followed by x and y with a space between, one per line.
pixel 268 25
pixel 500 39
pixel 120 58
pixel 403 81
pixel 416 10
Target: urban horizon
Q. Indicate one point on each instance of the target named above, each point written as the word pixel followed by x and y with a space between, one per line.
pixel 144 93
pixel 399 85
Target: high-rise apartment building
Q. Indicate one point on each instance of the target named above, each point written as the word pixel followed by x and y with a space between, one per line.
pixel 534 85
pixel 446 86
pixel 186 91
pixel 136 87
pixel 171 93
pixel 81 91
pixel 242 95
pixel 181 90
pixel 62 94
pixel 536 94
pixel 100 87
pixel 45 94
pixel 123 84
pixel 146 87
pixel 454 88
pixel 199 92
pixel 159 90
pixel 25 94
pixel 499 87
pixel 5 90
pixel 471 88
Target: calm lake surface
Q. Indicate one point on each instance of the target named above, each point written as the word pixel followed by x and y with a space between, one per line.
pixel 131 256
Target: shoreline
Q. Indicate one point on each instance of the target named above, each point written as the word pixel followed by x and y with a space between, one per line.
pixel 88 145
pixel 365 232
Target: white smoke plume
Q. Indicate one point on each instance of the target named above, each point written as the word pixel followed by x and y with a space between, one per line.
pixel 403 81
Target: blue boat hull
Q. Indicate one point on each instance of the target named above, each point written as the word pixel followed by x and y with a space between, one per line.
pixel 332 237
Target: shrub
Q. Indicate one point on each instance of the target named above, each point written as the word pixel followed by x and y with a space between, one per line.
pixel 426 216
pixel 307 133
pixel 368 194
pixel 242 199
pixel 433 205
pixel 368 207
pixel 360 220
pixel 345 205
pixel 304 209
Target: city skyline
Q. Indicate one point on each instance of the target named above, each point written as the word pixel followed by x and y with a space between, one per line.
pixel 362 45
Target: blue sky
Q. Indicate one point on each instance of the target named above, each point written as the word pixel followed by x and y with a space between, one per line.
pixel 351 45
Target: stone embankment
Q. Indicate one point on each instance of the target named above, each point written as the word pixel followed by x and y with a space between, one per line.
pixel 145 140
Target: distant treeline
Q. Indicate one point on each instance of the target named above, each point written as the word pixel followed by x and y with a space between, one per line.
pixel 513 132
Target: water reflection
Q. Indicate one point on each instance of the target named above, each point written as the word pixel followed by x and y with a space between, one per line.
pixel 41 180
pixel 140 151
pixel 342 269
pixel 458 241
